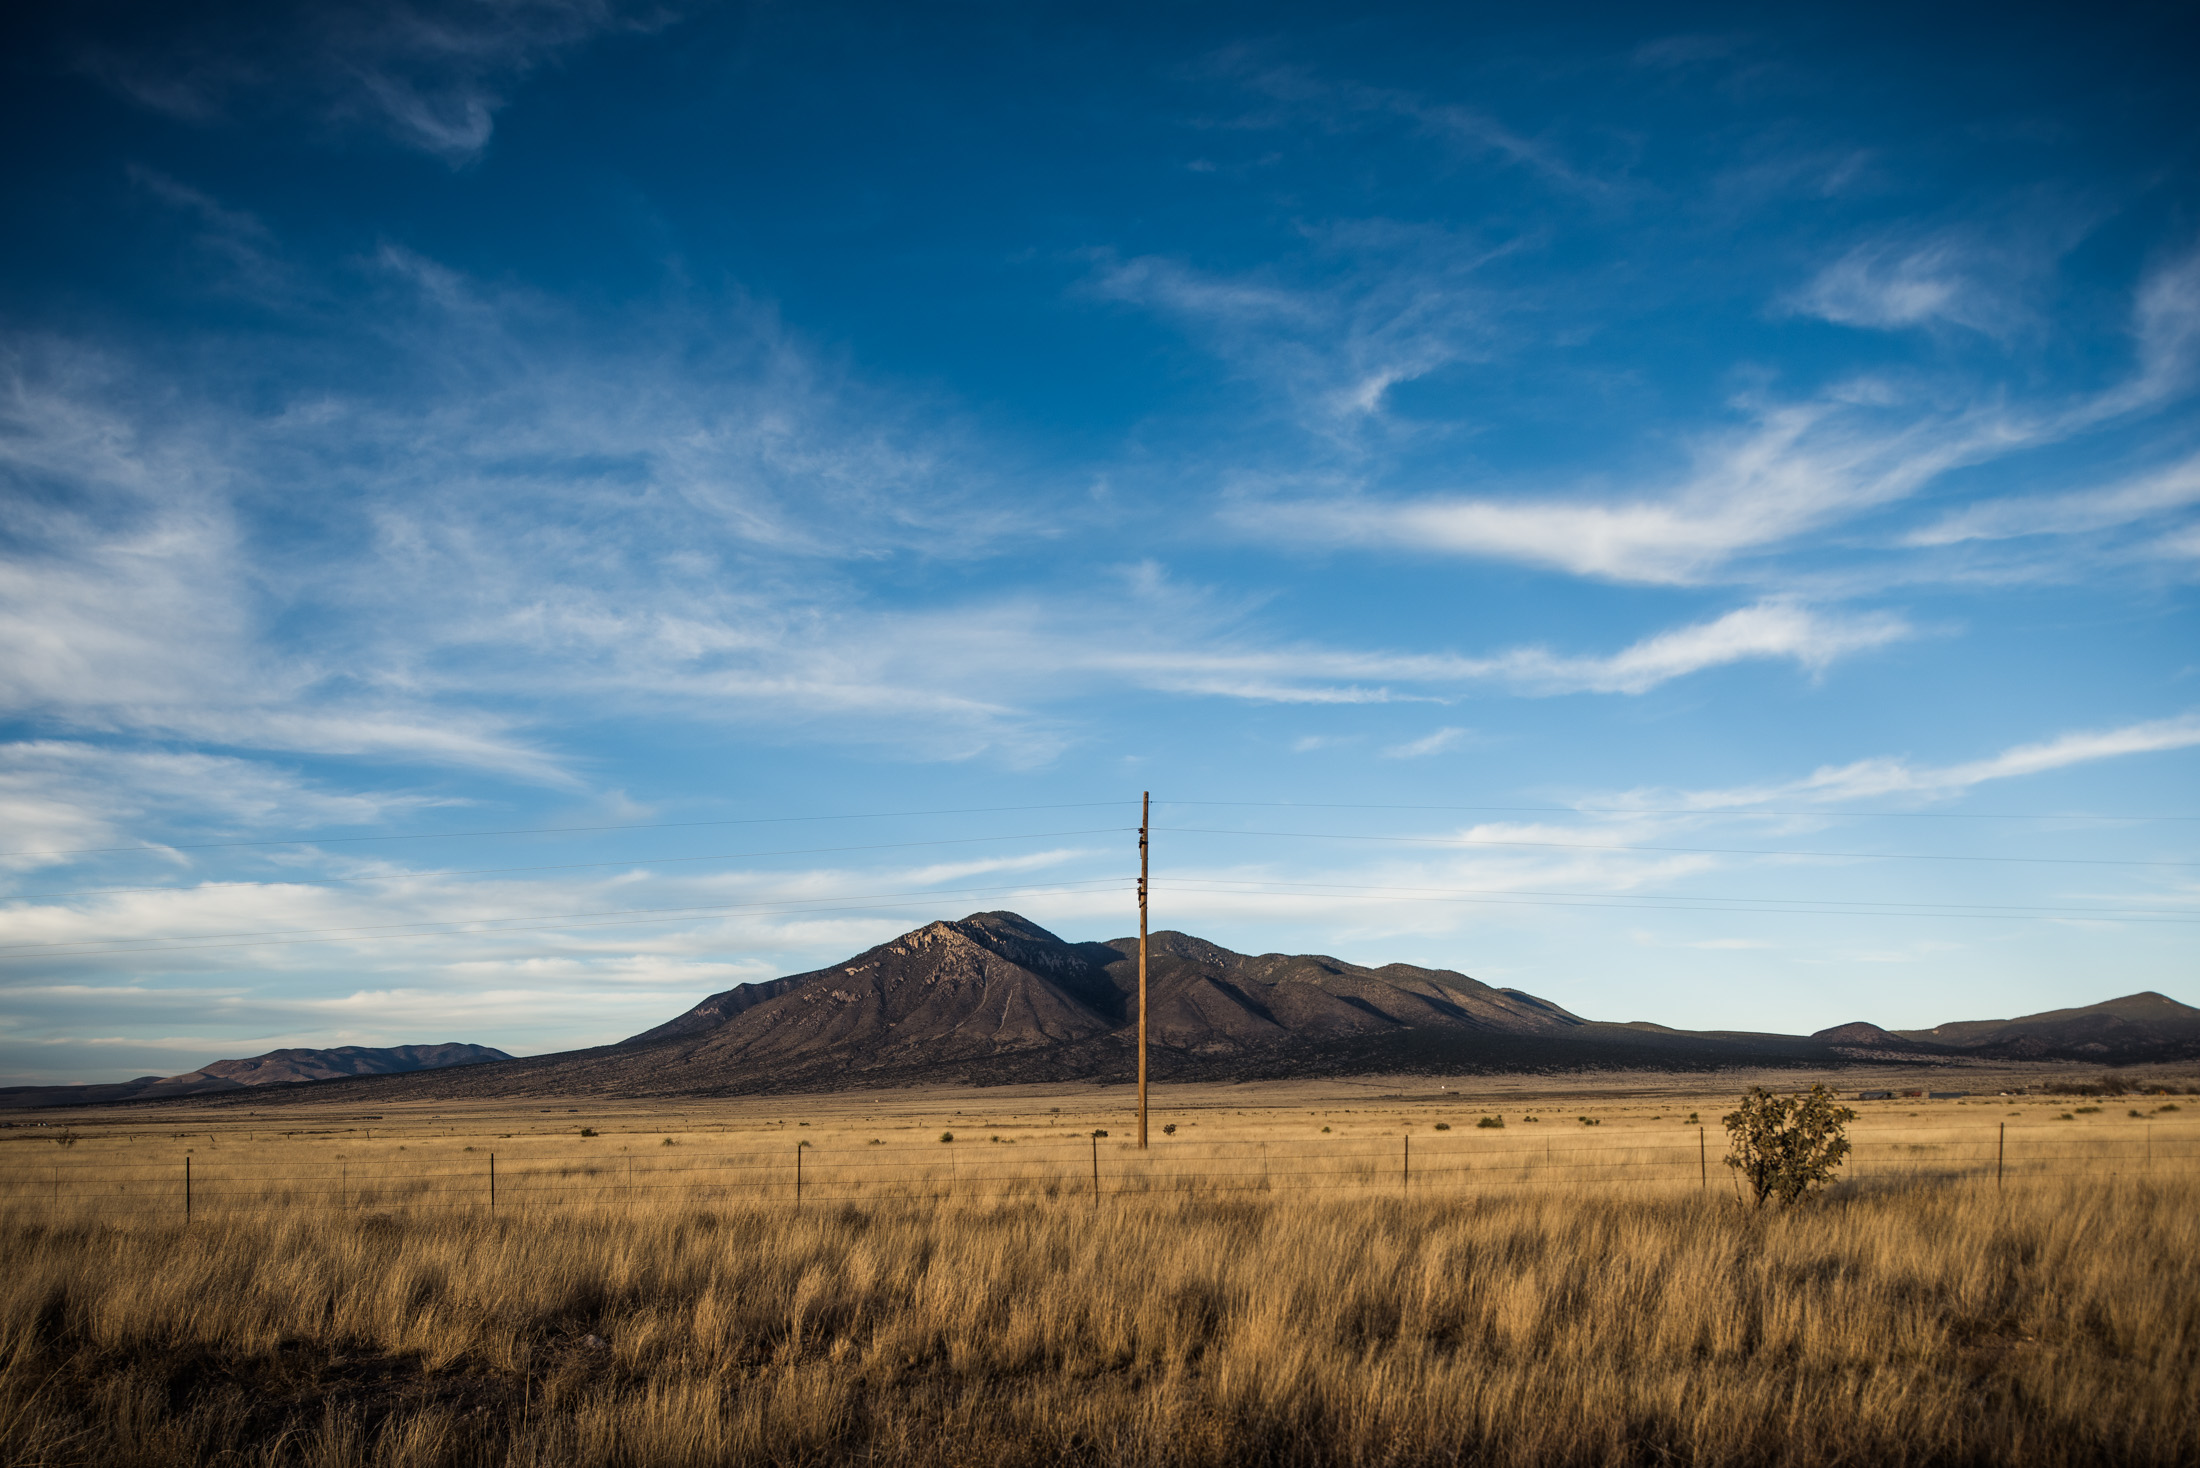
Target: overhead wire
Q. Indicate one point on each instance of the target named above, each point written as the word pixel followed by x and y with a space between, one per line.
pixel 561 830
pixel 545 922
pixel 165 846
pixel 574 866
pixel 1687 810
pixel 1470 842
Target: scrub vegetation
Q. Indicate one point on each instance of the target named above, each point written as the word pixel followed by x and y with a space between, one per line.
pixel 1924 1316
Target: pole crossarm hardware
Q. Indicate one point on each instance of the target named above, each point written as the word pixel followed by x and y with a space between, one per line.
pixel 1145 816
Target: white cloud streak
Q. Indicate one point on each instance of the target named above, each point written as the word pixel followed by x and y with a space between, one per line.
pixel 430 75
pixel 1884 777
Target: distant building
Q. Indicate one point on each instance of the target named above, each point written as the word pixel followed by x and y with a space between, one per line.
pixel 1875 1095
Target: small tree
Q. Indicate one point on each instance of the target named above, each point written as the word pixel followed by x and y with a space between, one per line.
pixel 1787 1146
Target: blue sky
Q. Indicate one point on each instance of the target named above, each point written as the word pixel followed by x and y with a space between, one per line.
pixel 1695 516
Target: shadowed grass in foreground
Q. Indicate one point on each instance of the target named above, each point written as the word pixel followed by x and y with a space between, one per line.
pixel 2058 1322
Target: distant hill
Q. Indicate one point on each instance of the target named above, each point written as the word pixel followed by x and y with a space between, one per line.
pixel 2141 1026
pixel 276 1068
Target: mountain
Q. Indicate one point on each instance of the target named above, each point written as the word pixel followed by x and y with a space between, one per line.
pixel 275 1068
pixel 996 999
pixel 2142 1026
pixel 282 1067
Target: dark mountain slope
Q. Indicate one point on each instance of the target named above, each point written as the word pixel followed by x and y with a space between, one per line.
pixel 997 999
pixel 275 1068
pixel 2138 1026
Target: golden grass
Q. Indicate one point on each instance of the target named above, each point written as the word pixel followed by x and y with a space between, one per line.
pixel 1252 1291
pixel 2051 1322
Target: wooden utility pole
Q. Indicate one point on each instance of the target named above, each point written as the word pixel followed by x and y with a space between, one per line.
pixel 1145 818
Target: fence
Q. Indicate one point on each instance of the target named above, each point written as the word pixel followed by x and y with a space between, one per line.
pixel 568 1172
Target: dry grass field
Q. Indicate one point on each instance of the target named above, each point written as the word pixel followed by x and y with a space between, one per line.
pixel 1255 1290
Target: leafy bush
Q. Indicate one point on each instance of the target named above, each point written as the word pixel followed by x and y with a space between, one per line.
pixel 1168 1129
pixel 1590 1121
pixel 1491 1121
pixel 1787 1146
pixel 586 1131
pixel 1443 1126
pixel 947 1136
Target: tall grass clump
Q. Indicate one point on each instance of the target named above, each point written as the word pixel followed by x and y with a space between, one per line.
pixel 2055 1323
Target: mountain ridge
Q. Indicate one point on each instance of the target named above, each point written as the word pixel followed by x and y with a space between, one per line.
pixel 996 999
pixel 283 1067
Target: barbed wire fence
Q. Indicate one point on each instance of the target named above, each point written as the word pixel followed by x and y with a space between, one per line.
pixel 1088 1171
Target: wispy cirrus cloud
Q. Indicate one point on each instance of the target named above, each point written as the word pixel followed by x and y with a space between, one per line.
pixel 2141 498
pixel 429 75
pixel 1448 737
pixel 1797 469
pixel 1887 776
pixel 1376 305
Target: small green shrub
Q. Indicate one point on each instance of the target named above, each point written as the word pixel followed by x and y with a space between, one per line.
pixel 1325 1129
pixel 1491 1121
pixel 2088 1110
pixel 1787 1146
pixel 1168 1129
pixel 1443 1126
pixel 586 1131
pixel 1590 1121
pixel 2172 1106
pixel 668 1141
pixel 947 1136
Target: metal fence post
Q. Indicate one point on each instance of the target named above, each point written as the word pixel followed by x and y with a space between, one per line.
pixel 187 1188
pixel 1703 1160
pixel 1405 1178
pixel 492 1182
pixel 1096 1170
pixel 798 1174
pixel 2001 1150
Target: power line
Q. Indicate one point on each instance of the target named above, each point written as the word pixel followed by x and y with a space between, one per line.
pixel 559 830
pixel 1459 842
pixel 1635 810
pixel 550 922
pixel 575 866
pixel 633 917
pixel 1653 897
pixel 1076 805
pixel 1678 905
